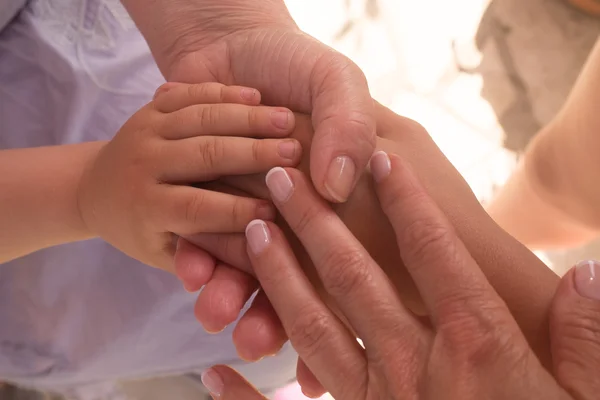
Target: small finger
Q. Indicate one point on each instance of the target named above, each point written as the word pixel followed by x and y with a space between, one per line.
pixel 259 332
pixel 207 158
pixel 222 299
pixel 227 120
pixel 173 96
pixel 193 266
pixel 185 210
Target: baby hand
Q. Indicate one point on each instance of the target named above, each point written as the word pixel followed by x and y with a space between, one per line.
pixel 135 194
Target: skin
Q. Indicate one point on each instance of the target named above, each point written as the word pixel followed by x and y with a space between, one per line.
pixel 257 44
pixel 471 349
pixel 129 191
pixel 551 200
pixel 522 281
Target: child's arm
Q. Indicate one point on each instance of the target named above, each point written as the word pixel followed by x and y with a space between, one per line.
pixel 38 197
pixel 134 191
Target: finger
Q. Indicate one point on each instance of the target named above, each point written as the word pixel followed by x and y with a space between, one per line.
pixel 254 185
pixel 185 210
pixel 174 96
pixel 224 383
pixel 446 275
pixel 311 387
pixel 227 120
pixel 315 333
pixel 193 266
pixel 575 331
pixel 344 121
pixel 223 297
pixel 259 332
pixel 227 247
pixel 359 287
pixel 206 158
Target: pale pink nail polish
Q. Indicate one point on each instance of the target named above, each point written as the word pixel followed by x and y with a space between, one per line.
pixel 258 236
pixel 213 382
pixel 280 184
pixel 587 279
pixel 381 166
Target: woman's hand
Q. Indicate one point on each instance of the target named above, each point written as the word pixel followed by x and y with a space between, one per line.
pixel 470 348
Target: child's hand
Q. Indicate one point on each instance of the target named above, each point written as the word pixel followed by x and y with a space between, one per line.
pixel 136 193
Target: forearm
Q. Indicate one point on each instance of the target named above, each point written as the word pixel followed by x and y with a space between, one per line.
pixel 173 28
pixel 38 197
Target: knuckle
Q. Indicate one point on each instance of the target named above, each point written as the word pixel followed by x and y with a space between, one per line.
pixel 344 270
pixel 208 115
pixel 427 239
pixel 257 146
pixel 578 333
pixel 193 208
pixel 309 331
pixel 253 116
pixel 212 151
pixel 306 218
pixel 238 212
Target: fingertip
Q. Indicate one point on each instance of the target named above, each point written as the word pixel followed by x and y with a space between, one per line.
pixel 193 266
pixel 381 166
pixel 586 275
pixel 249 96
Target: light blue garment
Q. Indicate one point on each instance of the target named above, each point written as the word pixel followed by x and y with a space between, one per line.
pixel 75 317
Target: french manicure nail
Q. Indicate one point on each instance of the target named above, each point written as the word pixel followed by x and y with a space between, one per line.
pixel 380 165
pixel 280 184
pixel 280 119
pixel 213 382
pixel 287 149
pixel 248 94
pixel 340 178
pixel 258 236
pixel 587 279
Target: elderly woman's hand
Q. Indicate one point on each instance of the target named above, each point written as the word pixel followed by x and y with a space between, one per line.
pixel 470 348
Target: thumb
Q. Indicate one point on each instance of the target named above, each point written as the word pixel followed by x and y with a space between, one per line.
pixel 575 331
pixel 224 383
pixel 343 115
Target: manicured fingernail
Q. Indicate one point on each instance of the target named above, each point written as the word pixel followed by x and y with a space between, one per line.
pixel 258 236
pixel 280 184
pixel 280 119
pixel 213 382
pixel 587 279
pixel 340 178
pixel 380 165
pixel 287 149
pixel 248 94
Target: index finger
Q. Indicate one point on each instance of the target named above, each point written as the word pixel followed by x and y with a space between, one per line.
pixel 447 276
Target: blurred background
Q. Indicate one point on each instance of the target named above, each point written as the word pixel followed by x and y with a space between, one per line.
pixel 483 76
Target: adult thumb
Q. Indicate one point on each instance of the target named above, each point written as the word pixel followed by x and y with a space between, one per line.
pixel 224 383
pixel 575 331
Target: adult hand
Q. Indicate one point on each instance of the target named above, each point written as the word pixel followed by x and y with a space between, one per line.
pixel 575 331
pixel 470 348
pixel 258 44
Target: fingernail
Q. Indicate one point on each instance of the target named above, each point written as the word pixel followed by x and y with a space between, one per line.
pixel 248 94
pixel 587 279
pixel 287 149
pixel 340 178
pixel 380 165
pixel 280 119
pixel 258 236
pixel 213 382
pixel 280 185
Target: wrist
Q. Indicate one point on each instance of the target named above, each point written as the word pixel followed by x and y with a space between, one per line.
pixel 80 198
pixel 176 28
